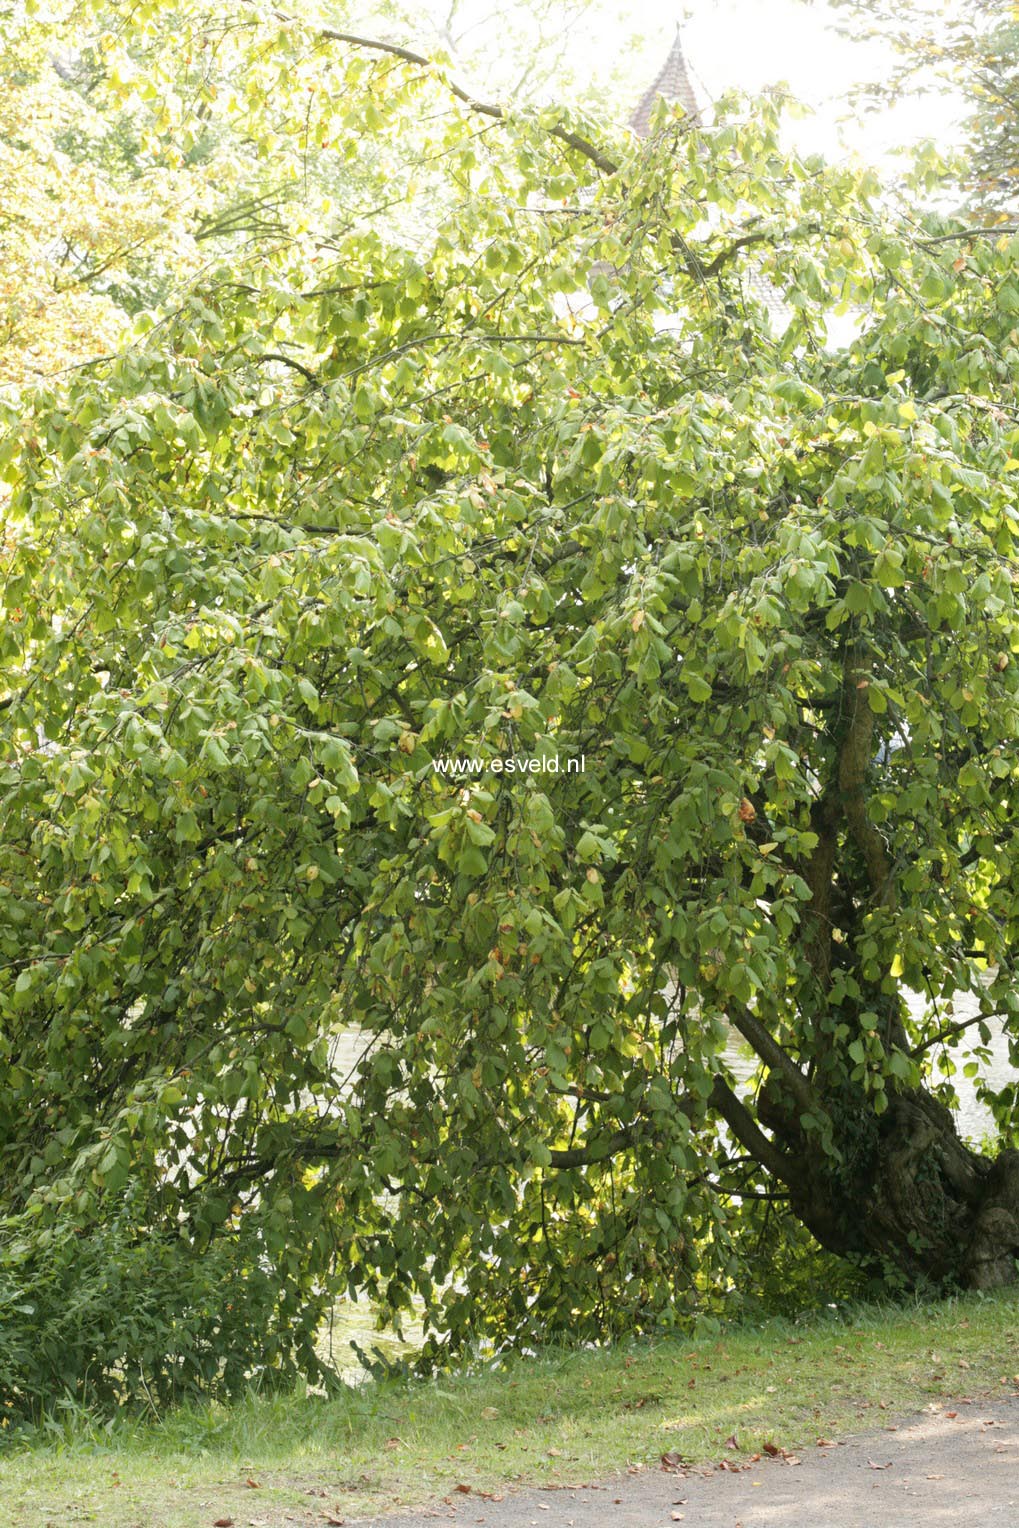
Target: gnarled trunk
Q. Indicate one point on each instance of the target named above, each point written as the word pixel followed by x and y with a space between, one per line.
pixel 909 1195
pixel 896 1190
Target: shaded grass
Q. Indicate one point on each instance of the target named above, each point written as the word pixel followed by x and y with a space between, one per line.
pixel 560 1417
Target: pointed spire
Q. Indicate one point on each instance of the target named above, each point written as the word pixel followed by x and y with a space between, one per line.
pixel 674 84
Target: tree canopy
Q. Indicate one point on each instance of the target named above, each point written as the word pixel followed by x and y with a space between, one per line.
pixel 525 475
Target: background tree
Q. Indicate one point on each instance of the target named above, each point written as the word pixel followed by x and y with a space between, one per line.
pixel 971 50
pixel 361 504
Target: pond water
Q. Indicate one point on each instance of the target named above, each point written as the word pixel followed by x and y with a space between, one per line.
pixel 973 1119
pixel 354 1322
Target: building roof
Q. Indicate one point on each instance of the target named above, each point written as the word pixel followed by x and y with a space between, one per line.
pixel 673 83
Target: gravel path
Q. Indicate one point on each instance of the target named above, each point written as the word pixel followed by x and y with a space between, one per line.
pixel 955 1467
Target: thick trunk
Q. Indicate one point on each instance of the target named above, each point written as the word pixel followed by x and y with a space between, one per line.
pixel 908 1195
pixel 903 1192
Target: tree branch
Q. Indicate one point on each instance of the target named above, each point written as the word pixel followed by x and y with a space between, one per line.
pixel 855 754
pixel 596 1151
pixel 277 355
pixel 485 108
pixel 968 233
pixel 950 1030
pixel 749 1133
pixel 771 1053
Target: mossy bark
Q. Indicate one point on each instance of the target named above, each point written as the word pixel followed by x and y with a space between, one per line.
pixel 914 1201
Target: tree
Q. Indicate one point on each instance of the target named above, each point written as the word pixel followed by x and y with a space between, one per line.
pixel 139 146
pixel 973 50
pixel 541 487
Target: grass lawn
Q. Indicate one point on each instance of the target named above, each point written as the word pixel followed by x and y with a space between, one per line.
pixel 559 1418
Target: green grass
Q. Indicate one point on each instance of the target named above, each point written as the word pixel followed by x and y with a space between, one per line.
pixel 564 1417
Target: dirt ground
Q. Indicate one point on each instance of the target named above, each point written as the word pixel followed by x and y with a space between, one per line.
pixel 955 1466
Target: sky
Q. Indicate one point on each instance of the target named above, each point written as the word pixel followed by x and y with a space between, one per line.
pixel 754 43
pixel 619 46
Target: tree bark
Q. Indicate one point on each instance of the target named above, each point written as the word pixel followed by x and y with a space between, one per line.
pixel 909 1197
pixel 900 1192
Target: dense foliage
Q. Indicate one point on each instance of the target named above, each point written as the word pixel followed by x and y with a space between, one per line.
pixel 142 143
pixel 541 484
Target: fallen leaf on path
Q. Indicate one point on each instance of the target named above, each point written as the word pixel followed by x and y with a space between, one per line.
pixel 672 1460
pixel 223 1522
pixel 253 1484
pixel 951 1415
pixel 879 1466
pixel 464 1490
pixel 826 1442
pixel 771 1449
pixel 935 1477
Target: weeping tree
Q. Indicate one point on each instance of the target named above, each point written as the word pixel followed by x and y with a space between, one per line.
pixel 509 654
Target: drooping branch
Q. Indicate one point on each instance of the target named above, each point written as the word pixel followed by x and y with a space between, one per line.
pixel 564 135
pixel 771 1053
pixel 749 1133
pixel 690 263
pixel 288 360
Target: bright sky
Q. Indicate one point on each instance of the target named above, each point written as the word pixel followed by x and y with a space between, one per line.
pixel 754 43
pixel 620 45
